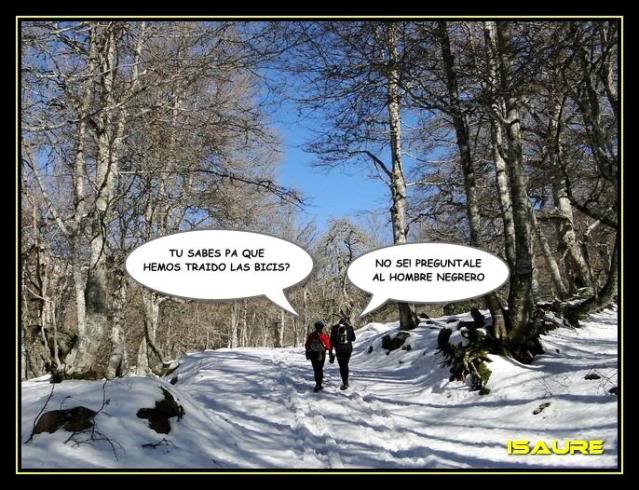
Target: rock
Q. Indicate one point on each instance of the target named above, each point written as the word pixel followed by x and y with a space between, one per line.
pixel 478 319
pixel 484 373
pixel 465 324
pixel 534 346
pixel 443 338
pixel 174 380
pixel 526 357
pixel 370 349
pixel 590 376
pixel 169 367
pixel 613 390
pixel 396 342
pixel 469 328
pixel 73 419
pixel 541 408
pixel 159 415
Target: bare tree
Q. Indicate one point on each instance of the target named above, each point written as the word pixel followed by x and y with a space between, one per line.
pixel 355 68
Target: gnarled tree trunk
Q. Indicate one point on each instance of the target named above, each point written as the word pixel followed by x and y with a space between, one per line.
pixel 150 359
pixel 465 156
pixel 551 262
pixel 520 300
pixel 603 297
pixel 118 359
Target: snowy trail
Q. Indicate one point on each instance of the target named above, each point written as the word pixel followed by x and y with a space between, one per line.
pixel 256 408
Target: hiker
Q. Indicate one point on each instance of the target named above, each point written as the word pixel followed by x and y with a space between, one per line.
pixel 317 343
pixel 342 338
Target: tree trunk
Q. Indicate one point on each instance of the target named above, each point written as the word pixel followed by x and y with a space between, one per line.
pixel 109 125
pixel 281 329
pixel 553 267
pixel 567 236
pixel 520 300
pixel 80 198
pixel 499 149
pixel 407 318
pixel 244 330
pixel 505 204
pixel 296 332
pixel 87 358
pixel 117 362
pixel 150 360
pixel 603 297
pixel 24 361
pixel 306 312
pixel 33 349
pixel 233 342
pixel 565 225
pixel 468 171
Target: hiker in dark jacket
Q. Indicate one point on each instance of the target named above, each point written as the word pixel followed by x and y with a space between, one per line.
pixel 342 338
pixel 317 343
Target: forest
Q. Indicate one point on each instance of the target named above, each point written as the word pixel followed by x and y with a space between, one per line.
pixel 500 135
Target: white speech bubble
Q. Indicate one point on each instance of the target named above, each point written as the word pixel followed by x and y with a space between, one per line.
pixel 401 273
pixel 220 265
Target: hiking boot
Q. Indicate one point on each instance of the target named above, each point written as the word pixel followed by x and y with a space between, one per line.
pixel 317 388
pixel 344 386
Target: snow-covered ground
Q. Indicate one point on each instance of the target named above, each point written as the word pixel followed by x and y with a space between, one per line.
pixel 254 408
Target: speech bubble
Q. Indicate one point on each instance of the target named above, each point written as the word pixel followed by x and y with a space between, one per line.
pixel 220 265
pixel 426 273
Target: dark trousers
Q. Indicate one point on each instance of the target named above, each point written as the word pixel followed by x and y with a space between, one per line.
pixel 342 359
pixel 318 367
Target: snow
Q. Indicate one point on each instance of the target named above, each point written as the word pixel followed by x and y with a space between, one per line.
pixel 254 408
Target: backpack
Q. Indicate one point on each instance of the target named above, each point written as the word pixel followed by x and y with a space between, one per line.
pixel 342 334
pixel 316 344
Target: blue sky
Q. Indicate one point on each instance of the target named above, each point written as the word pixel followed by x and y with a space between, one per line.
pixel 331 193
pixel 344 191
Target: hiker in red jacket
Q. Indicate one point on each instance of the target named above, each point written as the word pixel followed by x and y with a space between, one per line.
pixel 317 343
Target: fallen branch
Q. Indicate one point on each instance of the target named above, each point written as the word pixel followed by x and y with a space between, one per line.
pixel 96 435
pixel 163 442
